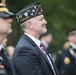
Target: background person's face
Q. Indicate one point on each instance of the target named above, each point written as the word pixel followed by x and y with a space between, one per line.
pixel 39 24
pixel 72 39
pixel 48 38
pixel 5 26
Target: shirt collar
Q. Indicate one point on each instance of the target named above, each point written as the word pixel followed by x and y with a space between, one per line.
pixel 37 41
pixel 1 47
pixel 73 45
pixel 44 43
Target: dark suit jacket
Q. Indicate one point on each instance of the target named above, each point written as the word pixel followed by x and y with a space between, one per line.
pixel 5 61
pixel 28 59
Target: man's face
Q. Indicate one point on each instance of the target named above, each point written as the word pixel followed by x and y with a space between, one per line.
pixel 5 26
pixel 48 38
pixel 39 24
pixel 72 39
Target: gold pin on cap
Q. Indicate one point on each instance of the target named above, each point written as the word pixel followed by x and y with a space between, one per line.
pixel 4 12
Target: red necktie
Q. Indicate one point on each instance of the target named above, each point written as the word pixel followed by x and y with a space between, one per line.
pixel 41 46
pixel 43 50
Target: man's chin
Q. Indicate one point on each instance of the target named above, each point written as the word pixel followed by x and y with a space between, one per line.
pixel 44 31
pixel 10 32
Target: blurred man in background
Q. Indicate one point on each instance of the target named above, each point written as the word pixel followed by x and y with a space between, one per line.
pixel 67 62
pixel 5 30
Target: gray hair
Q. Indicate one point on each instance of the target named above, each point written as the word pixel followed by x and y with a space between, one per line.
pixel 23 25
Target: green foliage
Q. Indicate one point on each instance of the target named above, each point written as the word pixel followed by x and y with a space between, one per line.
pixel 60 15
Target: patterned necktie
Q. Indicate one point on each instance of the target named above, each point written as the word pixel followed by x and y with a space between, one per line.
pixel 43 50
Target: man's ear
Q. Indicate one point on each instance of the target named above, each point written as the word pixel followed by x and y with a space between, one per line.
pixel 30 24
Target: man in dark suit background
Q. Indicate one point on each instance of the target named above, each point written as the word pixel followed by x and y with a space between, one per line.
pixel 5 29
pixel 66 64
pixel 29 58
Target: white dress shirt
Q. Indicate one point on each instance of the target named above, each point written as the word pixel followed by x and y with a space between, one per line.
pixel 37 41
pixel 1 47
pixel 44 43
pixel 73 45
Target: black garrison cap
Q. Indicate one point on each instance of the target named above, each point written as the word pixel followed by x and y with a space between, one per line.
pixel 71 32
pixel 29 12
pixel 45 34
pixel 4 12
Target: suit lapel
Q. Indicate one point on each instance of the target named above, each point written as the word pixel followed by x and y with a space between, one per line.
pixel 56 71
pixel 5 60
pixel 43 55
pixel 33 43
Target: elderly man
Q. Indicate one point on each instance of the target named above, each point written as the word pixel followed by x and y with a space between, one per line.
pixel 5 30
pixel 30 57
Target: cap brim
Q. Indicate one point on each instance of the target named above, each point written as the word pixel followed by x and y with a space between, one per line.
pixel 6 14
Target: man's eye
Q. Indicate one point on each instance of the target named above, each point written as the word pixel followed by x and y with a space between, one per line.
pixel 41 19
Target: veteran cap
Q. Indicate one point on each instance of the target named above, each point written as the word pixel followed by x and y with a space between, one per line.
pixel 45 34
pixel 4 12
pixel 71 32
pixel 29 12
